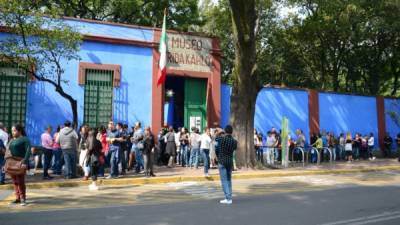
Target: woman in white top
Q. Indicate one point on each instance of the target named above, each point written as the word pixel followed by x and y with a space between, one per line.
pixel 205 146
pixel 371 143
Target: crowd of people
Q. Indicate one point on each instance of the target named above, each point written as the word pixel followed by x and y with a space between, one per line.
pixel 342 147
pixel 93 151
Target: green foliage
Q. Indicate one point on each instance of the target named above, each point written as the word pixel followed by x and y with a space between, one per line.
pixel 345 46
pixel 182 15
pixel 39 41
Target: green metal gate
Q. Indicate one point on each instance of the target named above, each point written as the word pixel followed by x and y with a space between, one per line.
pixel 195 103
pixel 98 97
pixel 13 83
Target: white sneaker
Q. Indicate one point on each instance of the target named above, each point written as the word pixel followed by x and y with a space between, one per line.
pixel 206 175
pixel 226 201
pixel 93 187
pixel 30 173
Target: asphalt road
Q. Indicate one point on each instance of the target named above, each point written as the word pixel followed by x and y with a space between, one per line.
pixel 335 204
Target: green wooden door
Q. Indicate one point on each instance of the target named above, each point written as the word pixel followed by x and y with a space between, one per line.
pixel 195 103
pixel 13 85
pixel 98 97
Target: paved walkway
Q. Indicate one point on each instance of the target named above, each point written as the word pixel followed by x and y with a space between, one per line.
pixel 179 174
pixel 165 193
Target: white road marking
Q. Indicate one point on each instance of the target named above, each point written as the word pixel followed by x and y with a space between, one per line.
pixel 368 219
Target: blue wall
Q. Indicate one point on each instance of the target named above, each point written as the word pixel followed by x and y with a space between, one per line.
pixel 131 101
pixel 348 113
pixel 273 104
pixel 226 91
pixel 392 106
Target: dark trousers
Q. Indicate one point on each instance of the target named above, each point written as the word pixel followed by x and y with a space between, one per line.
pixel 259 154
pixel 148 163
pixel 387 152
pixel 19 186
pixel 206 159
pixel 48 154
pixel 94 170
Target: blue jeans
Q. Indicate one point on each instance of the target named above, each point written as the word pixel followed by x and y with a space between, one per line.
pixel 206 159
pixel 225 174
pixel 70 156
pixel 2 174
pixel 184 155
pixel 57 161
pixel 114 161
pixel 139 160
pixel 194 157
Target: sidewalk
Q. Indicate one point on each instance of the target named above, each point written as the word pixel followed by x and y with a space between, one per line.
pixel 179 174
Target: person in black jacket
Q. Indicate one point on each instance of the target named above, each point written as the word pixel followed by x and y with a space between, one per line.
pixel 388 141
pixel 224 149
pixel 148 151
pixel 94 150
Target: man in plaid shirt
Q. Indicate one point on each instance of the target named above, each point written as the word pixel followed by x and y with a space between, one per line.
pixel 225 146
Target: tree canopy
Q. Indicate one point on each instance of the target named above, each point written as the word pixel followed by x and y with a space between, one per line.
pixel 344 46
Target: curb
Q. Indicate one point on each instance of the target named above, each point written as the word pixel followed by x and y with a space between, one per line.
pixel 174 179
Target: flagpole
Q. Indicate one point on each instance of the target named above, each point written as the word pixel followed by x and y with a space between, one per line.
pixel 162 65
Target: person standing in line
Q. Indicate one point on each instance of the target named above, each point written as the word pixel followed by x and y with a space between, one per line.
pixel 213 156
pixel 148 152
pixel 47 146
pixel 269 154
pixel 93 157
pixel 205 146
pixel 68 140
pixel 2 161
pixel 20 147
pixel 123 128
pixel 349 148
pixel 342 143
pixel 102 137
pixel 83 155
pixel 319 145
pixel 225 146
pixel 356 146
pixel 371 144
pixel 178 147
pixel 398 146
pixel 364 148
pixel 4 141
pixel 137 147
pixel 114 139
pixel 57 153
pixel 388 141
pixel 3 134
pixel 194 148
pixel 170 148
pixel 184 145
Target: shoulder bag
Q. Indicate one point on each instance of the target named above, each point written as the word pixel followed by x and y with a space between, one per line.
pixel 14 166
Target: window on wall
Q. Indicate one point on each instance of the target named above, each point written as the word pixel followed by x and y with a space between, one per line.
pixel 13 91
pixel 98 97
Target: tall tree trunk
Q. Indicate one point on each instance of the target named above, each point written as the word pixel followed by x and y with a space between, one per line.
pixel 245 83
pixel 72 102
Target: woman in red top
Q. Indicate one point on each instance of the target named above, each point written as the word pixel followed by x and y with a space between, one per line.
pixel 102 137
pixel 57 166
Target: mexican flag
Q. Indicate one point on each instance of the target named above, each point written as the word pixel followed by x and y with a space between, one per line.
pixel 162 65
